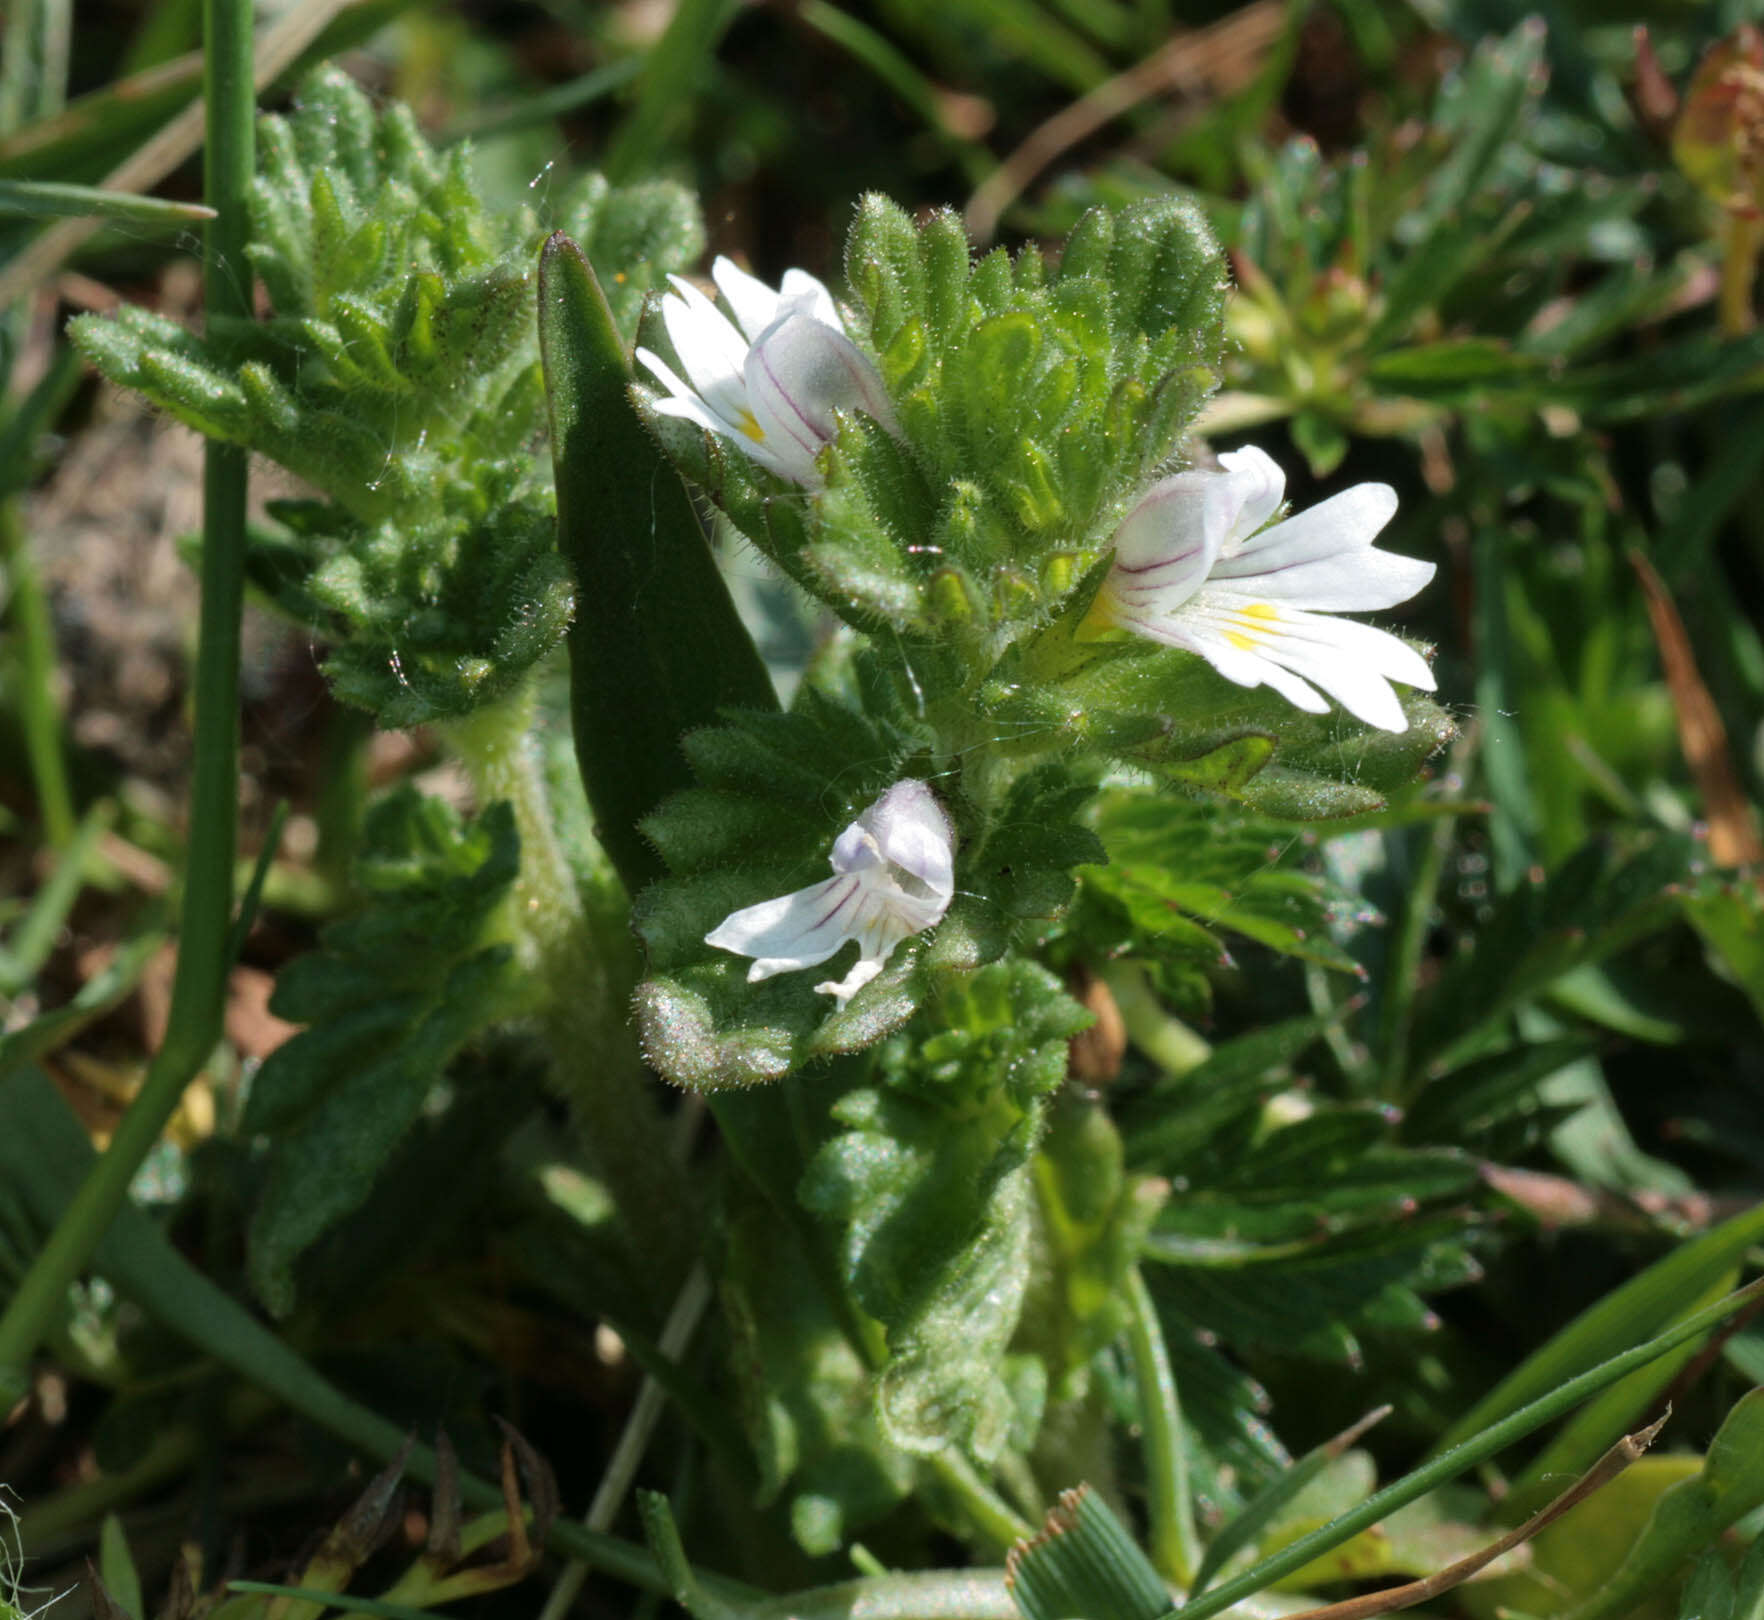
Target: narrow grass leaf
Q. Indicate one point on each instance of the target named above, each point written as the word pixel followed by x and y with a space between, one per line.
pixel 1488 1443
pixel 1639 1306
pixel 45 199
pixel 1262 1509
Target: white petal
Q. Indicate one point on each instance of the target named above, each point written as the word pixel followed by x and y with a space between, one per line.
pixel 1257 487
pixel 755 304
pixel 683 402
pixel 808 291
pixel 842 990
pixel 1247 666
pixel 711 351
pixel 1352 662
pixel 1167 543
pixel 892 878
pixel 912 832
pixel 691 409
pixel 1348 582
pixel 1349 521
pixel 794 931
pixel 799 375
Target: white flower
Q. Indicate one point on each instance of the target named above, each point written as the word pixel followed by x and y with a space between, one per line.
pixel 771 380
pixel 1195 568
pixel 893 876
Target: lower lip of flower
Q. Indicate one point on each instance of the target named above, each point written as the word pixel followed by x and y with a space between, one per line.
pixel 1251 618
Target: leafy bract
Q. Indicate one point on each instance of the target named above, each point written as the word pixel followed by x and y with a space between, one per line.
pixel 1181 872
pixel 1170 713
pixel 393 994
pixel 776 790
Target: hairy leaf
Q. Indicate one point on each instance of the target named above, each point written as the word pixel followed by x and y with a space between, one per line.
pixel 391 997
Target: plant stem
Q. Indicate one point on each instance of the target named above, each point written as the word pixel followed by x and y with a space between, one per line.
pixel 1405 956
pixel 615 1483
pixel 1155 1030
pixel 1741 240
pixel 36 656
pixel 1174 1547
pixel 585 983
pixel 199 991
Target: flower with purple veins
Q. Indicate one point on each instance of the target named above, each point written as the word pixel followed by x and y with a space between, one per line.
pixel 772 380
pixel 893 877
pixel 1199 566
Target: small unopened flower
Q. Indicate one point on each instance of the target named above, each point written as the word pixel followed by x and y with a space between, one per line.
pixel 771 380
pixel 893 876
pixel 1196 568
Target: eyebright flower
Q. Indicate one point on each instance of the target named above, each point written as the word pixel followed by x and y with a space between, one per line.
pixel 771 380
pixel 1195 568
pixel 893 877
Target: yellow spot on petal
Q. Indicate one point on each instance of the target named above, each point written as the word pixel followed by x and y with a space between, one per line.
pixel 750 426
pixel 1253 621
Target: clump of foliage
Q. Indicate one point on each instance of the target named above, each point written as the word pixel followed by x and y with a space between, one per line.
pixel 1245 1048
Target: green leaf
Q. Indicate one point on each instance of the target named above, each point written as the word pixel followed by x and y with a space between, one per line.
pixel 807 1394
pixel 1690 1515
pixel 1708 1594
pixel 1731 921
pixel 1276 1502
pixel 116 1568
pixel 657 647
pixel 1084 1566
pixel 1450 366
pixel 1463 1105
pixel 1184 1116
pixel 1749 1584
pixel 38 199
pixel 929 1183
pixel 396 991
pixel 1181 872
pixel 1592 905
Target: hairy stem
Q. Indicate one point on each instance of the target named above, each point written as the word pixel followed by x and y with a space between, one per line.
pixel 584 975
